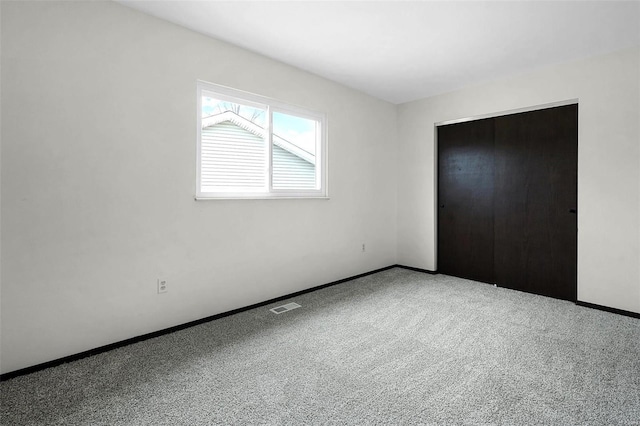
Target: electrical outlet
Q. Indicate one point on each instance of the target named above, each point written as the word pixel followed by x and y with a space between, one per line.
pixel 364 248
pixel 162 286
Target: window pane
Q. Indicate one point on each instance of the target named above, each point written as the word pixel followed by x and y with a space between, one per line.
pixel 233 149
pixel 250 146
pixel 294 152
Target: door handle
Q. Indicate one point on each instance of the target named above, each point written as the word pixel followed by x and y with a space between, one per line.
pixel 574 211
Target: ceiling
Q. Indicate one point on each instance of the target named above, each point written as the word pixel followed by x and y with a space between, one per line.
pixel 400 51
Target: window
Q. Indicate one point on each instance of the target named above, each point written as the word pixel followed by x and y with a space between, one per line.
pixel 250 146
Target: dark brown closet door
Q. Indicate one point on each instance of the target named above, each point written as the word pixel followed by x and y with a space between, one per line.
pixel 465 200
pixel 536 161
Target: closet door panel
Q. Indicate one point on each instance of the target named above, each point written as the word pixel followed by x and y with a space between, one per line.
pixel 535 225
pixel 465 200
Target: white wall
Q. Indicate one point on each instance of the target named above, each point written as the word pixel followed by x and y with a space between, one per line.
pixel 608 89
pixel 0 191
pixel 98 178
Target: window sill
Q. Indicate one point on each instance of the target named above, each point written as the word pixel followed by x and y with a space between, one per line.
pixel 270 197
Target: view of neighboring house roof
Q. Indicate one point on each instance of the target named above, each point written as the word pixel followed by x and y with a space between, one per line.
pixel 257 130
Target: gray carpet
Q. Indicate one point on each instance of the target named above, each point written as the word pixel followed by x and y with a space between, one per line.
pixel 397 347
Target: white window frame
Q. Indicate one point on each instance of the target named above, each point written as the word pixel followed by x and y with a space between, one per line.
pixel 270 106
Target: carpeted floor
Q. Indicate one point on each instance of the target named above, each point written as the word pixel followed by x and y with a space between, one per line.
pixel 397 347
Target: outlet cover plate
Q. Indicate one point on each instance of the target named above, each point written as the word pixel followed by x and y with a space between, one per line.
pixel 162 286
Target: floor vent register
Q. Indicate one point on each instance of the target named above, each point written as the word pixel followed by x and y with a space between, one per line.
pixel 284 308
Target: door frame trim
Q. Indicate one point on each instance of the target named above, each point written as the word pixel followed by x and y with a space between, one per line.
pixel 507 112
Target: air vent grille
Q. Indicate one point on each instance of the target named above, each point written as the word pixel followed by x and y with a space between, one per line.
pixel 284 308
